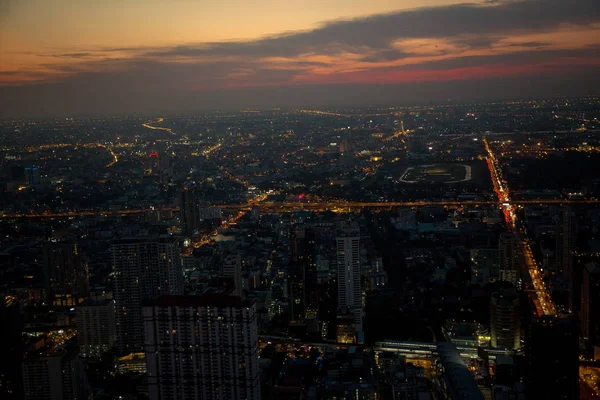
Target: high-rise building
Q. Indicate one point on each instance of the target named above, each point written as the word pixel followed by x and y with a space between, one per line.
pixel 159 165
pixel 304 302
pixel 96 327
pixel 144 268
pixel 54 374
pixel 232 269
pixel 153 163
pixel 566 234
pixel 33 176
pixel 508 258
pixel 590 304
pixel 66 274
pixel 11 322
pixel 348 269
pixel 202 347
pixel 189 207
pixel 311 279
pixel 346 143
pixel 345 328
pixel 505 319
pixel 205 213
pixel 485 265
pixel 552 354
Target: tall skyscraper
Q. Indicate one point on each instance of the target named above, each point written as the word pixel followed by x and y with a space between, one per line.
pixel 552 354
pixel 304 301
pixel 153 163
pixel 33 176
pixel 348 268
pixel 346 143
pixel 96 327
pixel 590 304
pixel 66 274
pixel 509 259
pixel 160 165
pixel 505 319
pixel 11 339
pixel 189 208
pixel 566 234
pixel 54 374
pixel 232 269
pixel 311 279
pixel 205 213
pixel 144 268
pixel 202 347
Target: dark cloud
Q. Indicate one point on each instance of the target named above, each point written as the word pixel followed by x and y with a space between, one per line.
pixel 479 23
pixel 384 55
pixel 529 44
pixel 510 59
pixel 236 75
pixel 74 55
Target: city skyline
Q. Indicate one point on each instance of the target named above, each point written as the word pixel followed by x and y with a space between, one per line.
pixel 71 59
pixel 316 199
pixel 376 251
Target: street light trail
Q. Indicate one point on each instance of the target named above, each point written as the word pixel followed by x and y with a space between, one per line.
pixel 158 128
pixel 294 206
pixel 540 296
pixel 112 153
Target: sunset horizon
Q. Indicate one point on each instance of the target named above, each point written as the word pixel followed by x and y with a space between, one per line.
pixel 272 54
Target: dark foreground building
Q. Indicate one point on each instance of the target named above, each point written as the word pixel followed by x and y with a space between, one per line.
pixel 202 347
pixel 552 353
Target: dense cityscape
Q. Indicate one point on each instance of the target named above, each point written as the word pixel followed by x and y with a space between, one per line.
pixel 300 200
pixel 440 251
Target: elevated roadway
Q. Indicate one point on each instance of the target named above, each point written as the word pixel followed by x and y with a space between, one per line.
pixel 298 206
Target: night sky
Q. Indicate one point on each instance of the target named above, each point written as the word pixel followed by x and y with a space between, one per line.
pixel 66 57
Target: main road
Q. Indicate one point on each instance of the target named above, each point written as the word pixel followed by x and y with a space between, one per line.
pixel 158 128
pixel 540 295
pixel 334 205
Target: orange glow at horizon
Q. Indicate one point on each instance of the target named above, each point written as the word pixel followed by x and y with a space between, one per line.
pixel 43 41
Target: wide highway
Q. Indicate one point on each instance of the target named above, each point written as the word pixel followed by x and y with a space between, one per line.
pixel 540 295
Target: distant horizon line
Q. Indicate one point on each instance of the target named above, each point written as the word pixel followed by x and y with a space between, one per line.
pixel 206 111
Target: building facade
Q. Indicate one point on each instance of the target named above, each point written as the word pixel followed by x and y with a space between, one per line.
pixel 566 234
pixel 189 207
pixel 508 259
pixel 66 274
pixel 304 302
pixel 144 268
pixel 205 213
pixel 96 327
pixel 11 338
pixel 348 271
pixel 590 304
pixel 202 347
pixel 505 319
pixel 54 375
pixel 232 269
